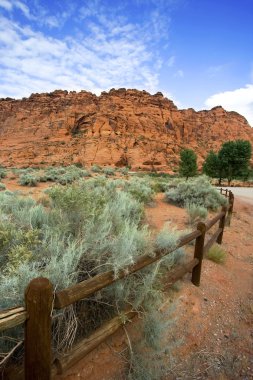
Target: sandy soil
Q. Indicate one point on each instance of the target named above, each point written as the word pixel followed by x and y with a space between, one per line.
pixel 213 323
pixel 34 191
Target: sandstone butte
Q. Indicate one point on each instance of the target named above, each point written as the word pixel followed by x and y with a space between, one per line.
pixel 120 127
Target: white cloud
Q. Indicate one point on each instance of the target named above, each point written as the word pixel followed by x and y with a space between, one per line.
pixel 239 100
pixel 38 13
pixel 179 74
pixel 90 9
pixel 10 5
pixel 171 61
pixel 106 56
pixel 7 5
pixel 24 8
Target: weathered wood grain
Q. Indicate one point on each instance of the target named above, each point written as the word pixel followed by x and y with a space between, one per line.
pixel 39 302
pixel 222 225
pixel 12 320
pixel 198 253
pixel 177 273
pixel 88 344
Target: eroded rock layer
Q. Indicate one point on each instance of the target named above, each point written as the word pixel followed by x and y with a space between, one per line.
pixel 121 127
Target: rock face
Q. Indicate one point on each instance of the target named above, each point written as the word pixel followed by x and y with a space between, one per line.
pixel 121 127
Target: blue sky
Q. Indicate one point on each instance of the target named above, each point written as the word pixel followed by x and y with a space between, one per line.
pixel 199 53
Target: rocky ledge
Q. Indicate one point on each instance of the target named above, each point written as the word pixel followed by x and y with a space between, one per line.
pixel 120 127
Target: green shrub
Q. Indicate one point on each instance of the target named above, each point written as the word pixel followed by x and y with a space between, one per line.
pixel 28 180
pixel 124 170
pixel 52 174
pixel 64 175
pixel 108 171
pixel 188 163
pixel 21 251
pixel 66 178
pixel 159 185
pixel 2 186
pixel 96 169
pixel 140 189
pixel 3 172
pixel 86 173
pixel 43 178
pixel 24 170
pixel 196 213
pixel 149 356
pixel 197 191
pixel 216 254
pixel 167 238
pixel 160 175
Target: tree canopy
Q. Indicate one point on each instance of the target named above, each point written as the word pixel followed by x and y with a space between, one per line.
pixel 212 165
pixel 232 161
pixel 188 163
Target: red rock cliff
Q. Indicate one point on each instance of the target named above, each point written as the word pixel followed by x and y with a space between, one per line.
pixel 121 127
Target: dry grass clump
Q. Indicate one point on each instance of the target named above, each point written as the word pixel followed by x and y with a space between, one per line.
pixel 216 254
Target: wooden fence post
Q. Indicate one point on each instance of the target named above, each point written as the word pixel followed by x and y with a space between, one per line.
pixel 222 225
pixel 39 301
pixel 198 253
pixel 230 208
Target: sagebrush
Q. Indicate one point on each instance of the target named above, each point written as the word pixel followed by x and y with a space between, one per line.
pixel 78 231
pixel 197 191
pixel 196 213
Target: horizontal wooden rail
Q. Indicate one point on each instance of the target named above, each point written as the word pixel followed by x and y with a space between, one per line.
pixel 213 239
pixel 12 317
pixel 88 344
pixel 211 222
pixel 224 191
pixel 88 287
pixel 177 273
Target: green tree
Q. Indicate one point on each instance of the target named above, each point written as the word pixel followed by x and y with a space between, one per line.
pixel 235 158
pixel 213 166
pixel 188 163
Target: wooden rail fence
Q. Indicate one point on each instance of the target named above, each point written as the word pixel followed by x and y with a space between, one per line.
pixel 40 299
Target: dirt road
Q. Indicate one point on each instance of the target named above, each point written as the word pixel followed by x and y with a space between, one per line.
pixel 243 193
